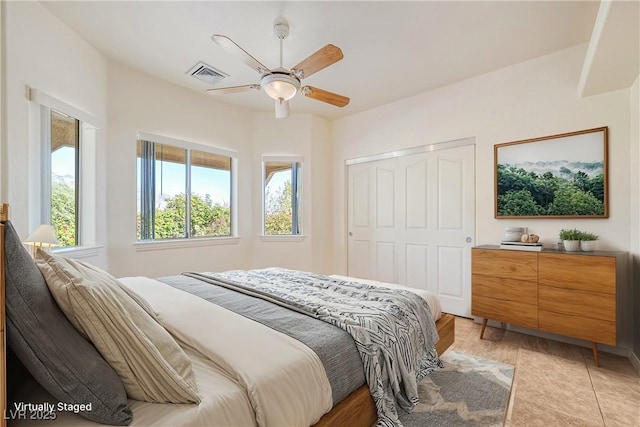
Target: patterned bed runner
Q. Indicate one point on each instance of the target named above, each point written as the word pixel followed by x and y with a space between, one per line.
pixel 392 328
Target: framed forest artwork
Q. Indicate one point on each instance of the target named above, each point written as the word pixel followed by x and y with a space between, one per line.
pixel 557 176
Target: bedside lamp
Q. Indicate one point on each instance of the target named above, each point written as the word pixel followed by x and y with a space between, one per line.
pixel 44 236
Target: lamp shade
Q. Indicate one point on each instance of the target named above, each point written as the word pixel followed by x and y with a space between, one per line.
pixel 44 235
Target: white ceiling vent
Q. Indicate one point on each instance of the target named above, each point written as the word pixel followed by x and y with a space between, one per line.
pixel 206 73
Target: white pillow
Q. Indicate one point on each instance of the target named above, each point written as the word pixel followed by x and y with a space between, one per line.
pixel 120 325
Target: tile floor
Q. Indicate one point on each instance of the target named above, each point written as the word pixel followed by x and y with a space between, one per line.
pixel 557 384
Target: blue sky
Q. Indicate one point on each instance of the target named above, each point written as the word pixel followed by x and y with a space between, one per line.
pixel 63 161
pixel 214 182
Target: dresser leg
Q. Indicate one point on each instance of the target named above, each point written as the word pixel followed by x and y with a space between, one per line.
pixel 484 326
pixel 595 354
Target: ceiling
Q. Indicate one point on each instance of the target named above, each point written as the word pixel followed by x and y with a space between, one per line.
pixel 392 50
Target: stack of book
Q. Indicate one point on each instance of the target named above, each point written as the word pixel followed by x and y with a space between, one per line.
pixel 520 246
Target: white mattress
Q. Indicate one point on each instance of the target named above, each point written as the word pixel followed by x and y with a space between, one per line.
pixel 432 300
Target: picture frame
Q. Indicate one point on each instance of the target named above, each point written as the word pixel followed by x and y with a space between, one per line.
pixel 557 176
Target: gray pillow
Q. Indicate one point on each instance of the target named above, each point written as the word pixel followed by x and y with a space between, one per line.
pixel 150 363
pixel 58 357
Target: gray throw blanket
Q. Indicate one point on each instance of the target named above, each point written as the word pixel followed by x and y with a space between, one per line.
pixel 392 328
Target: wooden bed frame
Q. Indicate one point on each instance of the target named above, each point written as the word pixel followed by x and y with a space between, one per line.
pixel 357 410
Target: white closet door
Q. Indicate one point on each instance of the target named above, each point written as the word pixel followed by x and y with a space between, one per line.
pixel 373 220
pixel 412 221
pixel 361 230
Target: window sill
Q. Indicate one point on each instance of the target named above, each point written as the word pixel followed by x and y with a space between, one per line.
pixel 78 252
pixel 159 245
pixel 282 238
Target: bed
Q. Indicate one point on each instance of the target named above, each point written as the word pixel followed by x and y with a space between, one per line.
pixel 224 399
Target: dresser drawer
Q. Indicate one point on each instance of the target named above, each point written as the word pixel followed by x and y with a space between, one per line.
pixel 504 289
pixel 587 273
pixel 506 264
pixel 585 328
pixel 505 311
pixel 578 303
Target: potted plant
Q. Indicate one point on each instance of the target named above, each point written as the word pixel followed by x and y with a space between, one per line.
pixel 570 239
pixel 588 241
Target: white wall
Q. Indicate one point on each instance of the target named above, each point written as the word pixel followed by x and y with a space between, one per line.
pixel 321 192
pixel 298 135
pixel 532 99
pixel 43 53
pixel 139 102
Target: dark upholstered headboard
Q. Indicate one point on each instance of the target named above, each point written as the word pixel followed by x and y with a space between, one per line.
pixel 4 216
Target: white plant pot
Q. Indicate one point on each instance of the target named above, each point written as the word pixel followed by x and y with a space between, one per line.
pixel 588 245
pixel 571 245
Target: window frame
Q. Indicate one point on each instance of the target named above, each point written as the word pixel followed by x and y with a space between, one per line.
pixel 40 189
pixel 46 125
pixel 188 146
pixel 296 198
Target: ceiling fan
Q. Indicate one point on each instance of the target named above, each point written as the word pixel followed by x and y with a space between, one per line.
pixel 279 83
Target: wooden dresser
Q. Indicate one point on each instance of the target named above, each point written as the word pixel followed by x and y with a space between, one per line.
pixel 565 293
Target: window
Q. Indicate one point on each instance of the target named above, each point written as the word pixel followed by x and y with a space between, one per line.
pixel 184 190
pixel 282 179
pixel 64 150
pixel 63 183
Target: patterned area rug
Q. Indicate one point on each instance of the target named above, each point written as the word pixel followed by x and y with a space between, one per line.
pixel 469 391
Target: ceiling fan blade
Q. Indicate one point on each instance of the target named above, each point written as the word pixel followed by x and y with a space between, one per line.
pixel 324 57
pixel 231 47
pixel 232 89
pixel 325 96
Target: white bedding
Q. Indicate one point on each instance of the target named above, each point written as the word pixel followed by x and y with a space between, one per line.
pixel 247 374
pixel 432 300
pixel 224 403
pixel 284 379
pixel 285 385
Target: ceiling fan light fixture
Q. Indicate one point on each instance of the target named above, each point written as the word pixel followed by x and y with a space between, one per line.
pixel 280 86
pixel 282 109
